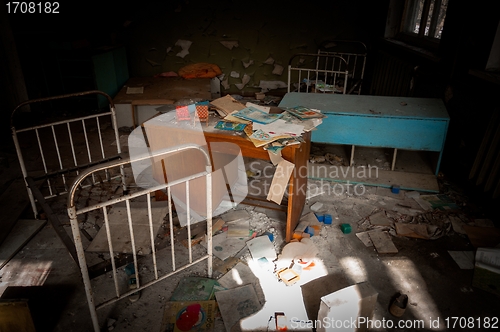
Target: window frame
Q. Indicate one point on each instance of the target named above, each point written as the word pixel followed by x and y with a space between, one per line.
pixel 420 39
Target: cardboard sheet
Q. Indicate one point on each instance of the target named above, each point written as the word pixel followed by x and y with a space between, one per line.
pixel 418 231
pixel 236 304
pixel 227 104
pixel 225 247
pixel 280 181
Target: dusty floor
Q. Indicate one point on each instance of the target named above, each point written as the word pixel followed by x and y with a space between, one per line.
pixel 44 273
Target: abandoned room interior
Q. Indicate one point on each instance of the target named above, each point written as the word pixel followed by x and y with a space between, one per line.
pixel 250 166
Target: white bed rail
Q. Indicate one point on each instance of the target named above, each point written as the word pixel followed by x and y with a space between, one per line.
pixel 53 154
pixel 317 73
pixel 154 275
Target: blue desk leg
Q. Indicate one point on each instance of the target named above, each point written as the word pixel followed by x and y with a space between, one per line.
pixel 438 163
pixel 394 159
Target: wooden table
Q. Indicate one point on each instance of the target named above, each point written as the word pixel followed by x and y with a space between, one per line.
pixel 297 154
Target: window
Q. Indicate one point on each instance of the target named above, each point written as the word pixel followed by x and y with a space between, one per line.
pixel 424 19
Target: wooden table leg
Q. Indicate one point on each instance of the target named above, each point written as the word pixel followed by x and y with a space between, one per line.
pixel 297 186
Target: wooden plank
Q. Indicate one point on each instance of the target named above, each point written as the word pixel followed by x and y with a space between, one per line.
pixel 165 88
pixel 374 177
pixel 383 243
pixel 23 231
pixel 482 236
pixel 365 238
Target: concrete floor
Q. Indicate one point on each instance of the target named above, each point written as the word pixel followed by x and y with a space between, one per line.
pixel 44 273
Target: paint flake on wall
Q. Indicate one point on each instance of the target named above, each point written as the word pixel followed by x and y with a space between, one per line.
pixel 230 44
pixel 269 61
pixel 278 69
pixel 185 45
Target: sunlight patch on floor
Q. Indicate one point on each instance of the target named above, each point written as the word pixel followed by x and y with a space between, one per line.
pixel 280 297
pixel 406 277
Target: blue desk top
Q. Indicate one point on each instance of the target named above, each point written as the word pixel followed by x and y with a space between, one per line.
pixel 422 108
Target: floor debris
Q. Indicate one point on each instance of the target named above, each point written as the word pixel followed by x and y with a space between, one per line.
pixel 260 247
pixel 383 243
pixel 236 304
pixel 195 289
pixel 225 247
pixel 418 231
pixel 380 219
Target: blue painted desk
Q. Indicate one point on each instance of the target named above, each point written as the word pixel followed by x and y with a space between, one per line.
pixel 377 121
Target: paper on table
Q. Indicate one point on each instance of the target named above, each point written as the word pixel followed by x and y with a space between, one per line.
pixel 280 127
pixel 227 104
pixel 311 124
pixel 280 181
pixel 231 118
pixel 304 113
pixel 275 157
pixel 256 115
pixel 258 143
pixel 259 107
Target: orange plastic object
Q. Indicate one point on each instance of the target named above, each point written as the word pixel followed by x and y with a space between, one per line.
pixel 200 70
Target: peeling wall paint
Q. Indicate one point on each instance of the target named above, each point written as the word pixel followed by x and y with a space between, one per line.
pixel 255 39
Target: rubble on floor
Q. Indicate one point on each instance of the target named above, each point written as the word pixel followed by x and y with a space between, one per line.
pixel 375 218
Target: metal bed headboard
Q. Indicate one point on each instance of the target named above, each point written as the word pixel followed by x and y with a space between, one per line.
pixel 354 53
pixel 320 73
pixel 57 157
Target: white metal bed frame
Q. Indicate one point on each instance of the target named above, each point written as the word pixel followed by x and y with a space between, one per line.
pixel 337 61
pixel 313 70
pixel 57 172
pixel 96 171
pixel 354 53
pixel 74 212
